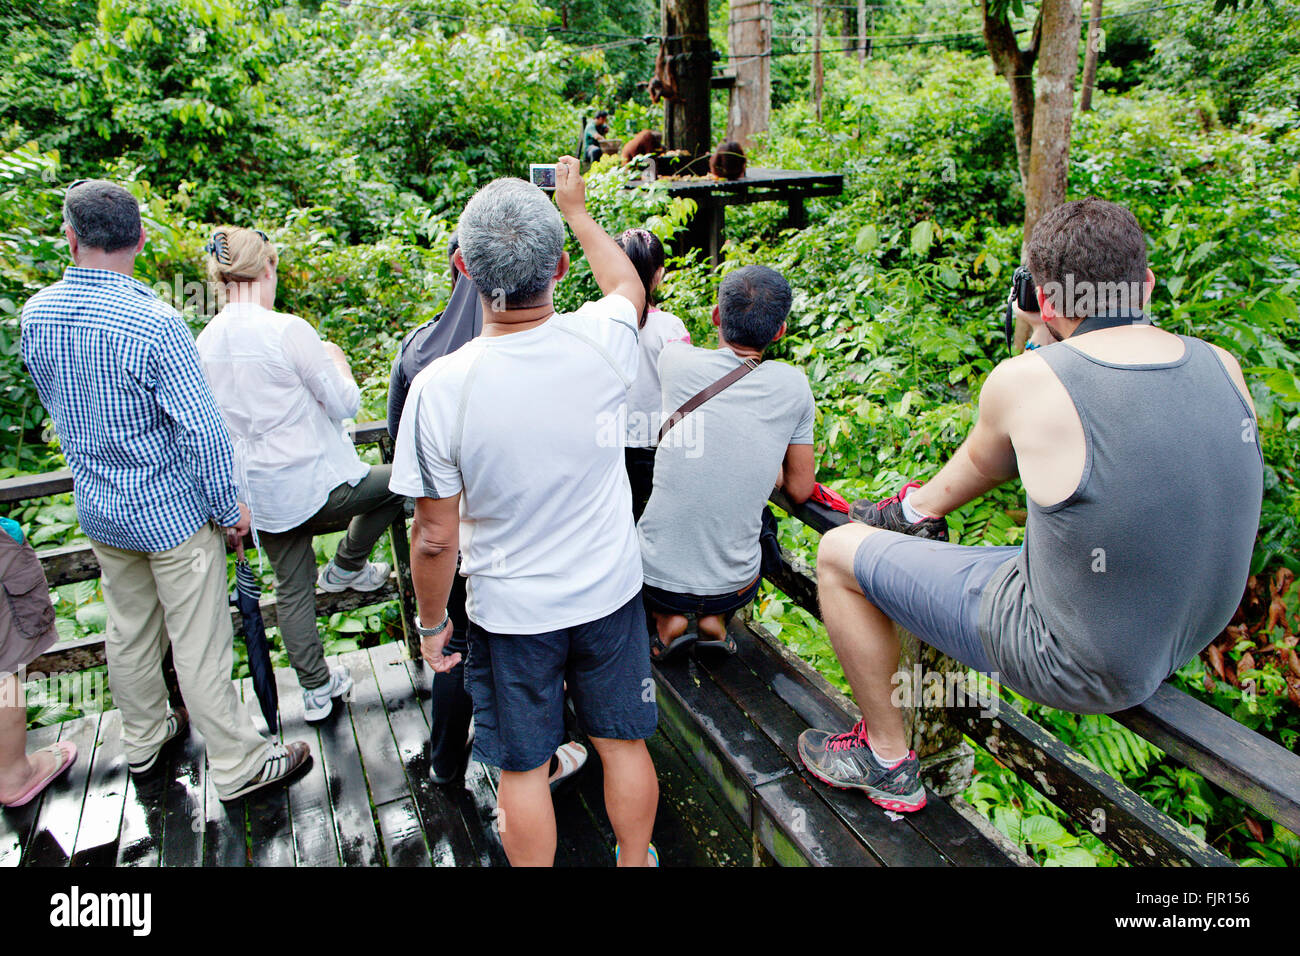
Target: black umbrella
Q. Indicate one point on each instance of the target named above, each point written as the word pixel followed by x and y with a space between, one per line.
pixel 248 594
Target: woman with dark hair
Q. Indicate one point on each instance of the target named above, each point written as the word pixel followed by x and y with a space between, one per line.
pixel 644 398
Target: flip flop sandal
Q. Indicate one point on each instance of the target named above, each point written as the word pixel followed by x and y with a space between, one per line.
pixel 727 645
pixel 572 757
pixel 64 749
pixel 661 654
pixel 654 855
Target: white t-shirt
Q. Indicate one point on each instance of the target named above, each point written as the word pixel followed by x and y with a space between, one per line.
pixel 644 398
pixel 284 401
pixel 519 424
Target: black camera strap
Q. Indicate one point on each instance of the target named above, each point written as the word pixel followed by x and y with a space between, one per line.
pixel 1095 322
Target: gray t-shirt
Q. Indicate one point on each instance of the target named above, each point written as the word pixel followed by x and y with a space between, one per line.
pixel 716 468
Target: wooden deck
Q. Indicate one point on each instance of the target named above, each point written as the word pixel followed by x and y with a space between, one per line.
pixel 366 800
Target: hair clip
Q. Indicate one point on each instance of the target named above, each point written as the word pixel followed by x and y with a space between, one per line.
pixel 219 248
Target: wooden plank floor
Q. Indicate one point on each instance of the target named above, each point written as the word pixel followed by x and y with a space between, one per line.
pixel 365 801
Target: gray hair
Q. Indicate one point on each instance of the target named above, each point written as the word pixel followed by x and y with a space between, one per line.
pixel 103 215
pixel 511 238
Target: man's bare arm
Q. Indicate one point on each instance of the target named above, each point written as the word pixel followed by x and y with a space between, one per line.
pixel 610 266
pixel 985 459
pixel 435 540
pixel 798 473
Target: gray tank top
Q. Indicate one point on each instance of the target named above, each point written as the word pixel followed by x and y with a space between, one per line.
pixel 1144 565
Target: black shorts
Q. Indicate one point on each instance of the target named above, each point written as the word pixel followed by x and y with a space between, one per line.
pixel 701 605
pixel 517 682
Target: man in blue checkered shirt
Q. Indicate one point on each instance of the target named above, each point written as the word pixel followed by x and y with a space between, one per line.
pixel 151 462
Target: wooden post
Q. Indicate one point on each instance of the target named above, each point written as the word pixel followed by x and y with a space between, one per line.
pixel 687 118
pixel 947 762
pixel 749 33
pixel 818 76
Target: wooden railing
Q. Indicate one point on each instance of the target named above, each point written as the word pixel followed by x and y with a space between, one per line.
pixel 77 563
pixel 1261 773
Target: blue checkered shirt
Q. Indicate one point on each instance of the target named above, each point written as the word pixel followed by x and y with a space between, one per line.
pixel 117 370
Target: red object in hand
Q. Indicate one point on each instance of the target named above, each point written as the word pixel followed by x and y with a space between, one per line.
pixel 830 498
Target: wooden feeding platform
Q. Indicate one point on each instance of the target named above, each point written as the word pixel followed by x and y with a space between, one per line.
pixel 712 196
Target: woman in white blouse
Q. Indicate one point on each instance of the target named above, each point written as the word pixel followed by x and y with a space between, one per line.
pixel 284 394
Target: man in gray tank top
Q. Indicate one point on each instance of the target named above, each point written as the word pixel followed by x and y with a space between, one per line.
pixel 1138 453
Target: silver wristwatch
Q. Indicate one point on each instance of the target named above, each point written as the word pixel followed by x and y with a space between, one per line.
pixel 432 631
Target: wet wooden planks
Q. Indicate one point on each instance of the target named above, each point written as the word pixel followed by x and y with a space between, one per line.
pixel 366 800
pixel 738 719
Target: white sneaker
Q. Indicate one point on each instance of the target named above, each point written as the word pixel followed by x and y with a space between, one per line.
pixel 318 703
pixel 370 578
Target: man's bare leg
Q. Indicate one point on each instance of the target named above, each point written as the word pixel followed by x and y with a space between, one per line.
pixel 863 637
pixel 712 627
pixel 631 796
pixel 17 770
pixel 526 817
pixel 670 626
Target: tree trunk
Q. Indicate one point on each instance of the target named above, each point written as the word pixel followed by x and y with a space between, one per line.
pixel 750 32
pixel 687 125
pixel 864 45
pixel 1058 64
pixel 1090 56
pixel 1041 120
pixel 1016 66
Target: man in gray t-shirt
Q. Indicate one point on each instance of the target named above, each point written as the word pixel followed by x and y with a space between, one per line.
pixel 716 467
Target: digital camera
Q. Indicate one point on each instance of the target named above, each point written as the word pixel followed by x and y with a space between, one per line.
pixel 542 175
pixel 1024 294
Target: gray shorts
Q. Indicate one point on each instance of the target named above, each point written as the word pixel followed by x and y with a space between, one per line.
pixel 931 588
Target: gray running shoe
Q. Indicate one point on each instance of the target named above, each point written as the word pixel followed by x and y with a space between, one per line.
pixel 846 761
pixel 888 514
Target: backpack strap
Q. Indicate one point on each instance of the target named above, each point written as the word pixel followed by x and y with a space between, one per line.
pixel 699 398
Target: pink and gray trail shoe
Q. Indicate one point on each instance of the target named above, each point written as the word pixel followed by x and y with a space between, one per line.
pixel 846 761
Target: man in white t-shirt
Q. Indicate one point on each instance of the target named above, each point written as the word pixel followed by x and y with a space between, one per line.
pixel 501 446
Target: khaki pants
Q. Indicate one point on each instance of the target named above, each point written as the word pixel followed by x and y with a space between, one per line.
pixel 178 595
pixel 373 509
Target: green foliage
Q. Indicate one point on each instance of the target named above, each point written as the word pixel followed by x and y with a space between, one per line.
pixel 353 134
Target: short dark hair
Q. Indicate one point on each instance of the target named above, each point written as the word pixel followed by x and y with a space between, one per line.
pixel 103 215
pixel 754 302
pixel 1089 257
pixel 601 113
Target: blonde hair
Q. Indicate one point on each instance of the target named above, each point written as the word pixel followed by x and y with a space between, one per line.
pixel 236 254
